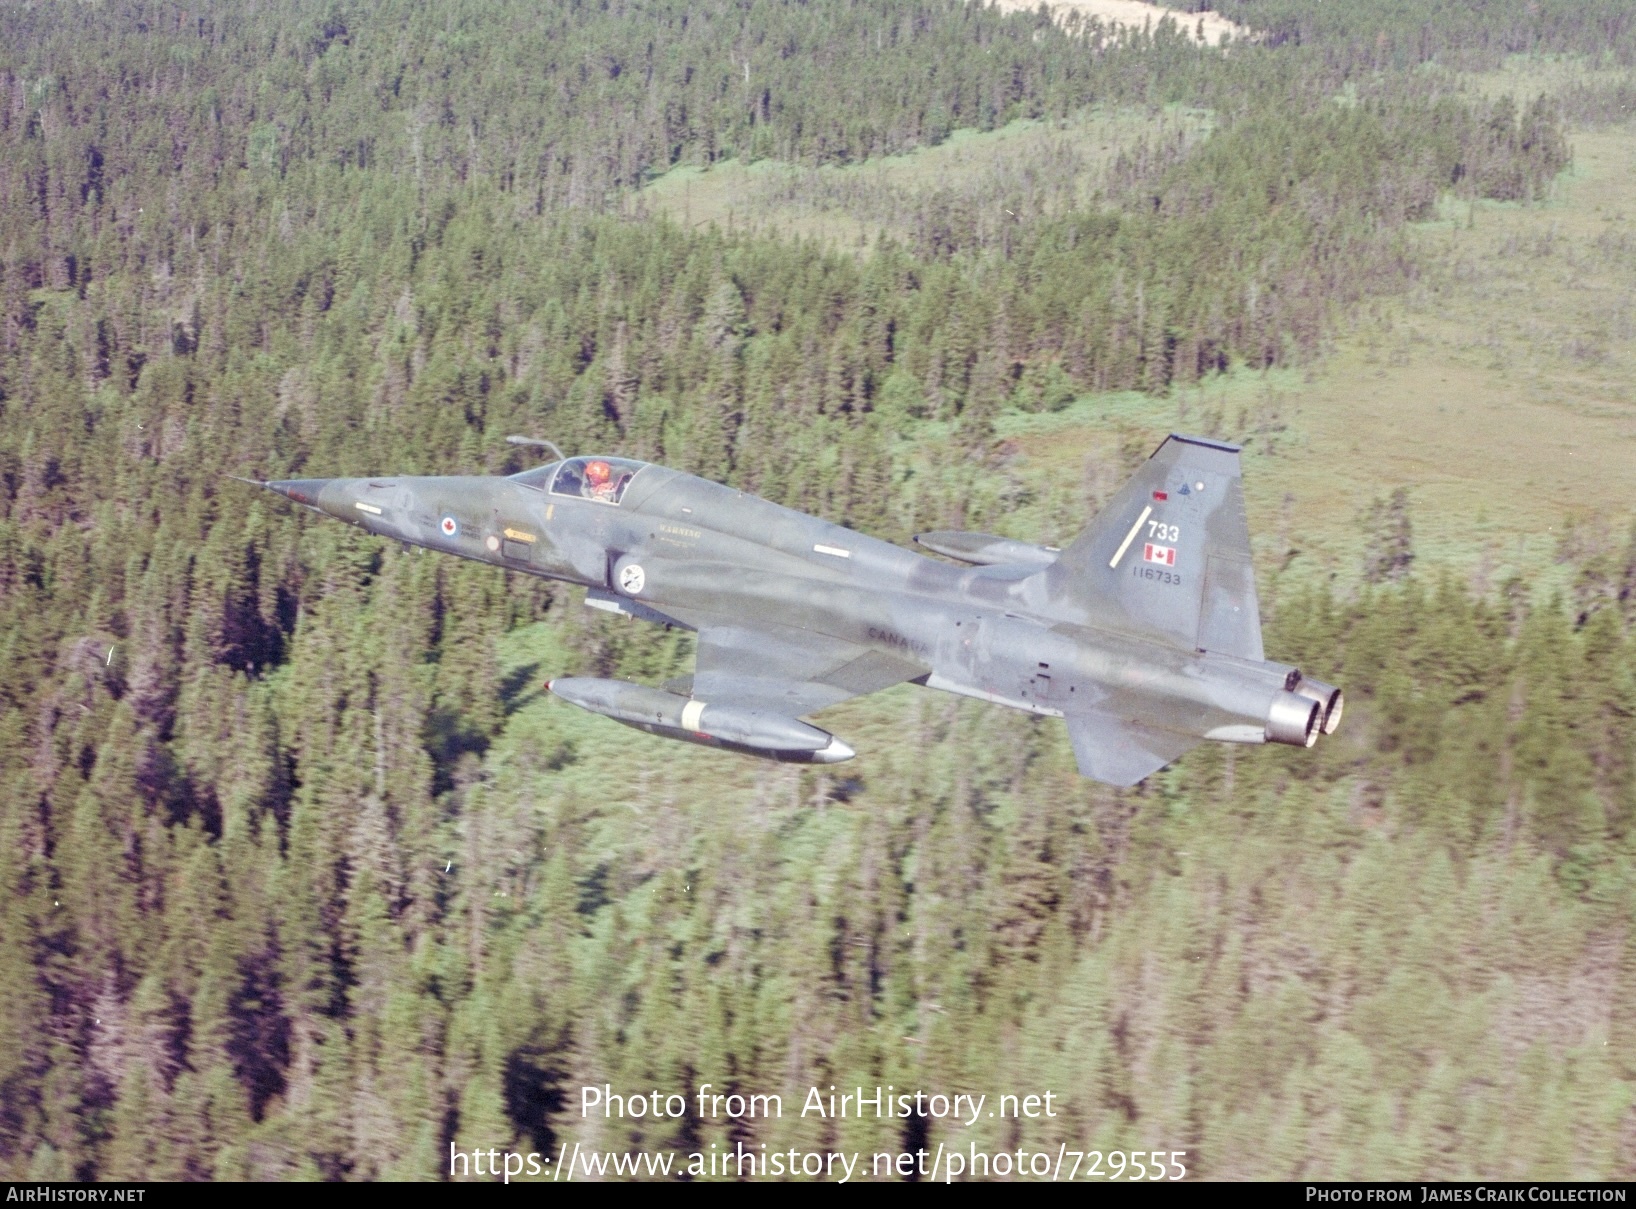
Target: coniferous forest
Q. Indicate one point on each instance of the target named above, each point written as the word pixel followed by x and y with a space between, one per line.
pixel 302 876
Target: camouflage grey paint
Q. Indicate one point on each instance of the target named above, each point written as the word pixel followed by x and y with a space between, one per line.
pixel 1144 633
pixel 985 549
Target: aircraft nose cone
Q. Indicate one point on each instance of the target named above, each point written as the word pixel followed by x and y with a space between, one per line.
pixel 302 491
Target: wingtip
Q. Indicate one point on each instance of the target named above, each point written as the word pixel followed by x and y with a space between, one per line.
pixel 835 753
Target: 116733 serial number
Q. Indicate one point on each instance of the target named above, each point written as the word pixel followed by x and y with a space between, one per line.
pixel 1156 574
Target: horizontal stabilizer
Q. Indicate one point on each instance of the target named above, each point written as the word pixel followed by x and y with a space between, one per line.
pixel 1122 753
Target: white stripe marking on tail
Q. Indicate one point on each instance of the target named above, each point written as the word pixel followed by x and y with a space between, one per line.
pixel 1130 537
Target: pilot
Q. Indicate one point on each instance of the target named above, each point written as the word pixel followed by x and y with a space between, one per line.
pixel 599 483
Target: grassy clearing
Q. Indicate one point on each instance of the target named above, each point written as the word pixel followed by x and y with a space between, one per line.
pixel 1528 76
pixel 842 206
pixel 1500 392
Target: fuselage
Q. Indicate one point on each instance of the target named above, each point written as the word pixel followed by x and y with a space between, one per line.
pixel 682 550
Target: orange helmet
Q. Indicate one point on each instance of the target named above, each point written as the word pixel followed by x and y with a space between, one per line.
pixel 597 473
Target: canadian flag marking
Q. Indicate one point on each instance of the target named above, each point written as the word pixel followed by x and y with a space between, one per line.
pixel 1159 554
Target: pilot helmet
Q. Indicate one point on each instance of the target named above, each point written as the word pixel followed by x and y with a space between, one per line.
pixel 597 473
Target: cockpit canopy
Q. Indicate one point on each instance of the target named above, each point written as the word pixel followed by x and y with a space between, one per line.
pixel 601 479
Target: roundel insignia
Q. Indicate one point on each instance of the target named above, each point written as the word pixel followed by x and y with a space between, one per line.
pixel 632 579
pixel 450 526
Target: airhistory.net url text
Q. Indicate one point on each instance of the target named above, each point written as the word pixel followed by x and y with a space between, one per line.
pixel 946 1163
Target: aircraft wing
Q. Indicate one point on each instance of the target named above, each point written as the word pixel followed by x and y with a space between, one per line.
pixel 1120 752
pixel 789 671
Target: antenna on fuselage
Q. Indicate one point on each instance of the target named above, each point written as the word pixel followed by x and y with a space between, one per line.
pixel 539 441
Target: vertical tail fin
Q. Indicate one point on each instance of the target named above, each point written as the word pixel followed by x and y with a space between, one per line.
pixel 1169 556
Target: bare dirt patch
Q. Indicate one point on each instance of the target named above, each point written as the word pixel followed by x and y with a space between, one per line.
pixel 1208 27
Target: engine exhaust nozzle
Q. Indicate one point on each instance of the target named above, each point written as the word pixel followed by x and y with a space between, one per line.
pixel 1327 696
pixel 1294 719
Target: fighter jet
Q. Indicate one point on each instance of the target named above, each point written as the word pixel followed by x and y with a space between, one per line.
pixel 1143 634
